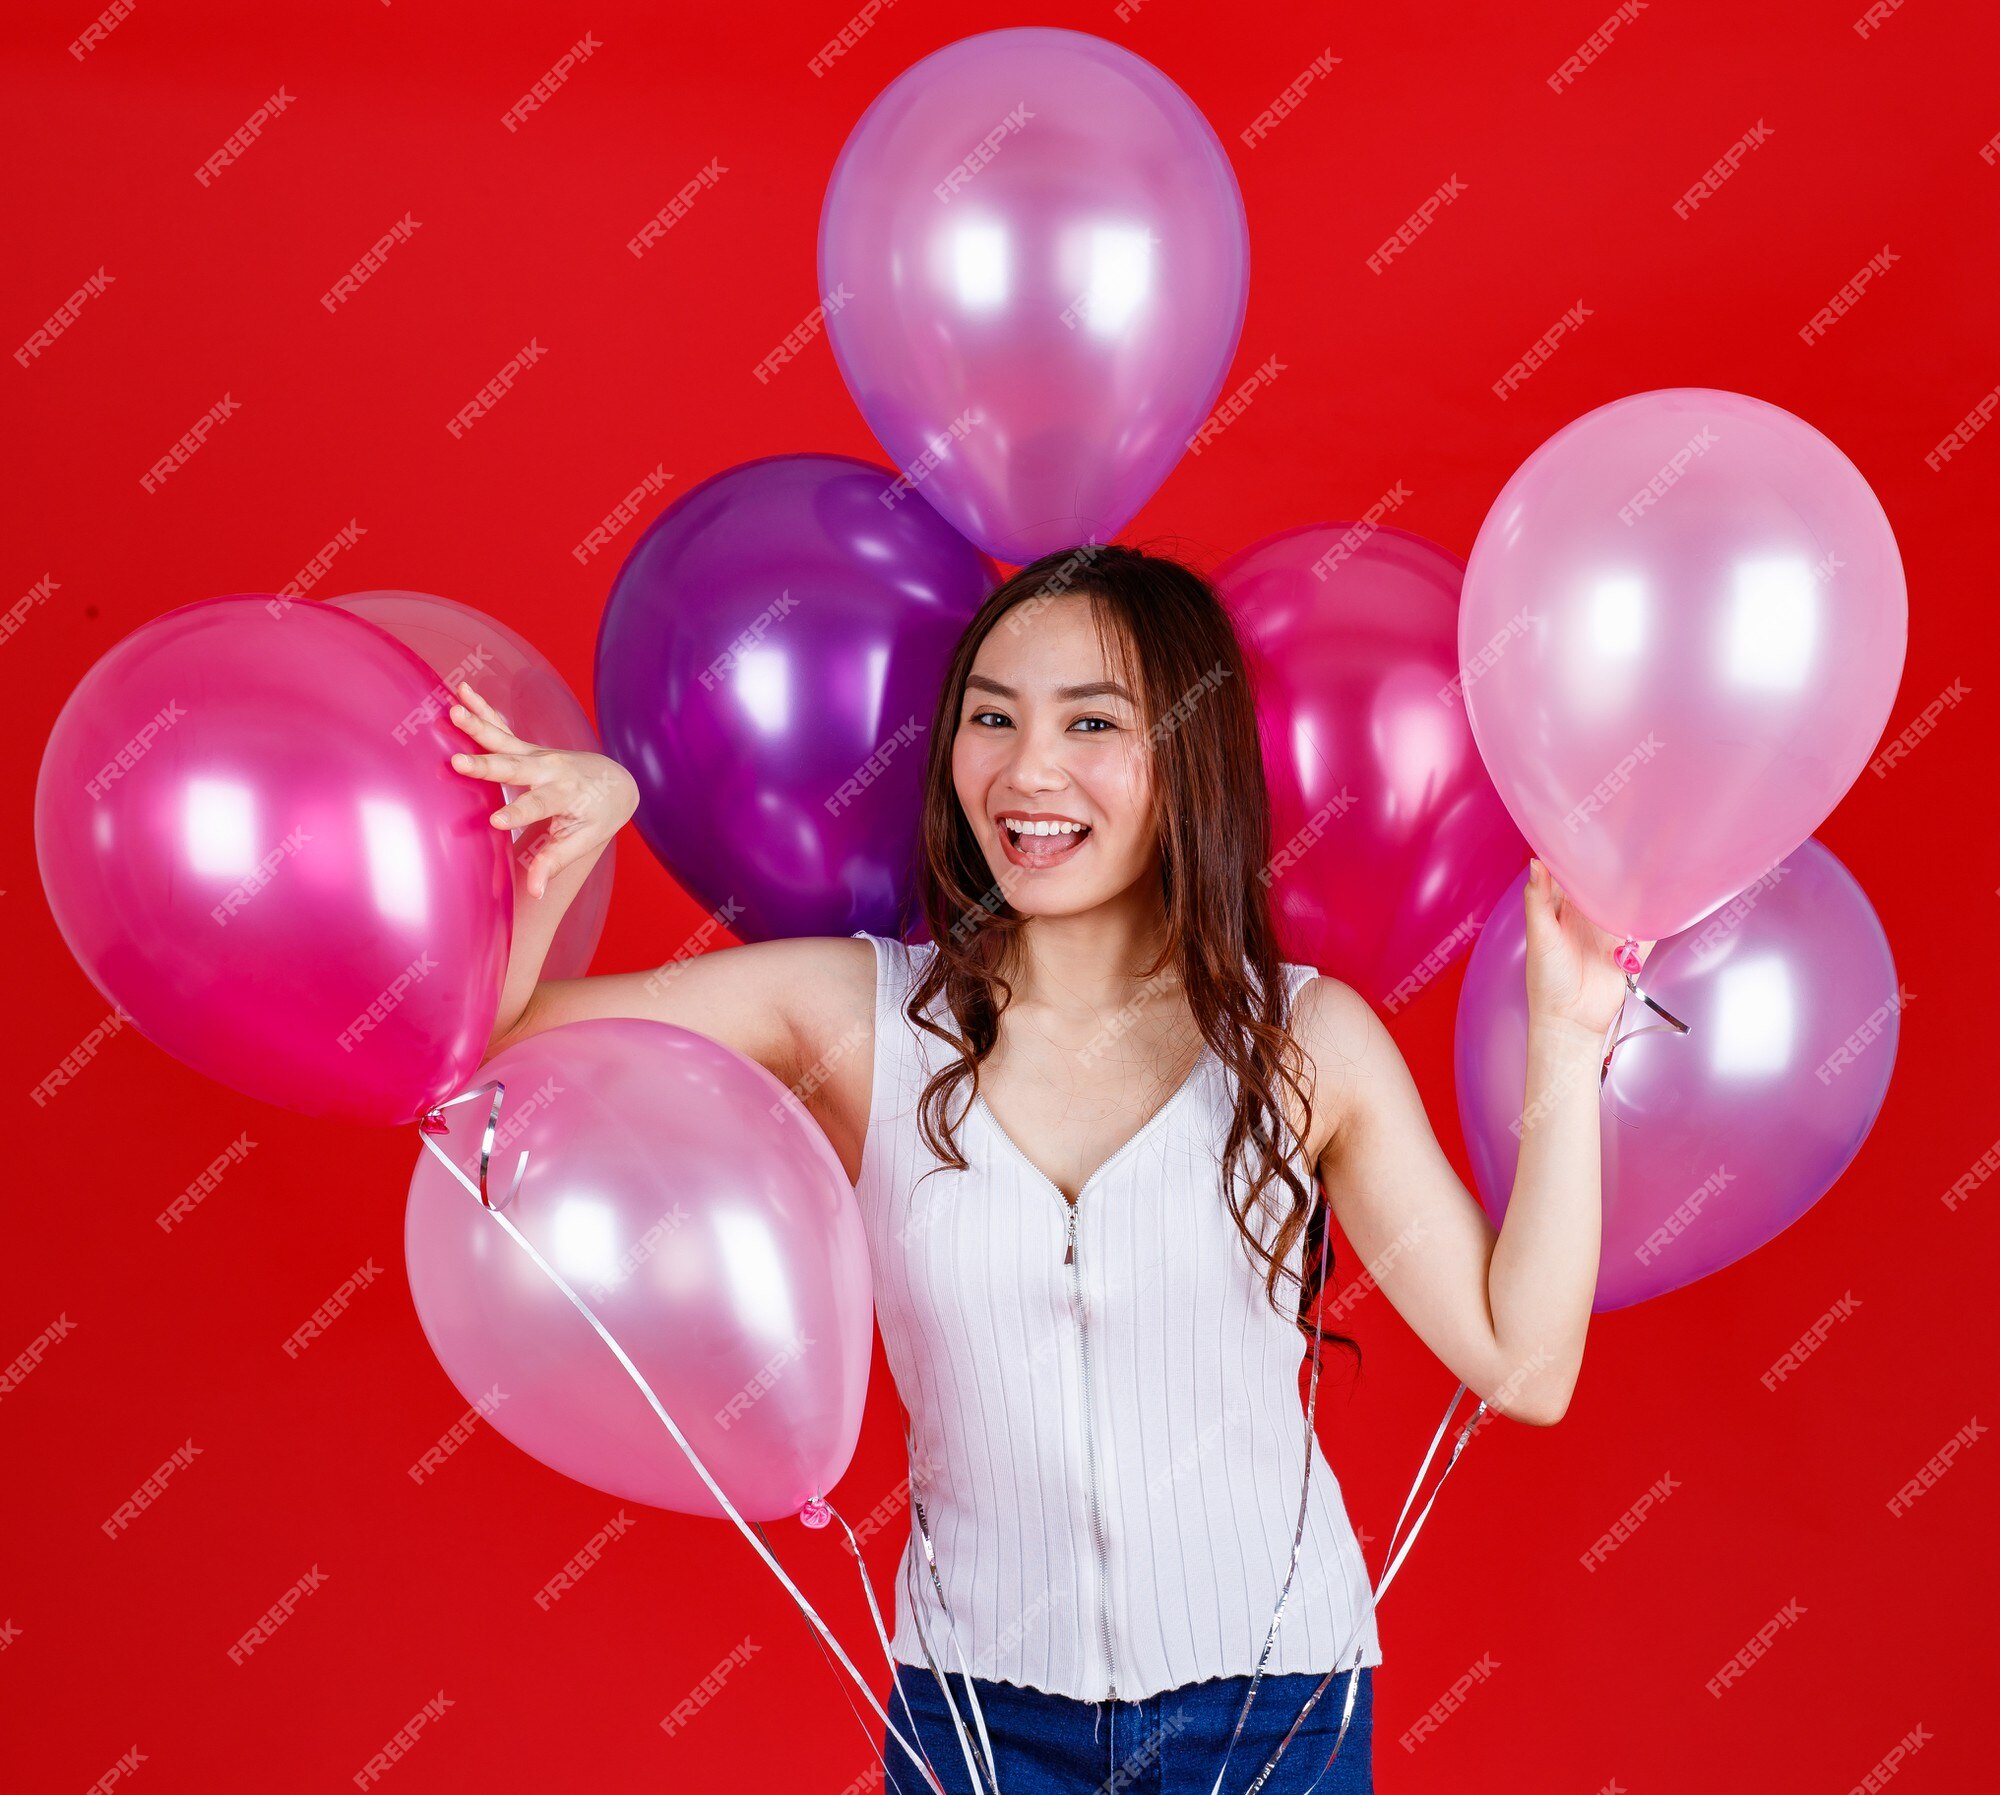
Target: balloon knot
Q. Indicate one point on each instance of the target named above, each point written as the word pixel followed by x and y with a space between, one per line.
pixel 1627 956
pixel 816 1513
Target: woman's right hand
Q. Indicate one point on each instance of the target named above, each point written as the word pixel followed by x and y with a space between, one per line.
pixel 587 797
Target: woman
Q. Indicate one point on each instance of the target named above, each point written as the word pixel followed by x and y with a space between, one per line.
pixel 1087 1123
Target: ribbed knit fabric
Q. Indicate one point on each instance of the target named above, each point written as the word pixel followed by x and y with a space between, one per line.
pixel 1171 1397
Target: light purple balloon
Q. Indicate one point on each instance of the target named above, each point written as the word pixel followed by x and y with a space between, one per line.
pixel 689 1198
pixel 767 667
pixel 1683 629
pixel 252 839
pixel 1716 1140
pixel 1040 260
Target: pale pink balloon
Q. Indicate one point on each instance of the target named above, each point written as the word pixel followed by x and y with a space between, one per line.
pixel 1034 262
pixel 1389 841
pixel 517 679
pixel 692 1202
pixel 1683 629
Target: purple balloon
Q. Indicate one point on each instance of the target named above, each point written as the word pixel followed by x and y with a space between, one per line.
pixel 253 841
pixel 1683 630
pixel 767 667
pixel 1716 1140
pixel 1041 261
pixel 689 1198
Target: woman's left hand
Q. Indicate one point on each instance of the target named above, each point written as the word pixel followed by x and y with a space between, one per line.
pixel 1572 977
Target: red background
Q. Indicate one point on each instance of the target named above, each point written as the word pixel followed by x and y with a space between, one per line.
pixel 1782 1496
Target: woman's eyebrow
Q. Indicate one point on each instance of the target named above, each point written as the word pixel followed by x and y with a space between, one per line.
pixel 1101 688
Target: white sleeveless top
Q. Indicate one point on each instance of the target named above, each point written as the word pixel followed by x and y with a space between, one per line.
pixel 1107 1452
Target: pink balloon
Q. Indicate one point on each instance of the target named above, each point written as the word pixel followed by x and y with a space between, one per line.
pixel 1390 843
pixel 516 678
pixel 253 841
pixel 1716 1140
pixel 1039 260
pixel 1683 629
pixel 694 1204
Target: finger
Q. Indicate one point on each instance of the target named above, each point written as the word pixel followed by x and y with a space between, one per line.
pixel 508 769
pixel 479 711
pixel 485 724
pixel 549 860
pixel 487 735
pixel 530 807
pixel 1543 927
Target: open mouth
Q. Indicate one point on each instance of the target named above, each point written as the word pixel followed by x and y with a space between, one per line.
pixel 1042 843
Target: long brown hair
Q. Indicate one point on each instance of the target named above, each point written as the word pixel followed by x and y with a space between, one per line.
pixel 1165 625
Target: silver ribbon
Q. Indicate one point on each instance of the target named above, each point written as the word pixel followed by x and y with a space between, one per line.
pixel 1298 1533
pixel 987 1769
pixel 433 1124
pixel 1628 951
pixel 974 1770
pixel 1298 1539
pixel 1388 1575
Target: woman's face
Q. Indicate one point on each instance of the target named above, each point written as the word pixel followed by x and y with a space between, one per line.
pixel 1050 735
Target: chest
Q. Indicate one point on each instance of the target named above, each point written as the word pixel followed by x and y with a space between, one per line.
pixel 1068 1110
pixel 1001 1246
pixel 996 1261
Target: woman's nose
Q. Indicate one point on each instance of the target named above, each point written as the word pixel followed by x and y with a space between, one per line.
pixel 1037 763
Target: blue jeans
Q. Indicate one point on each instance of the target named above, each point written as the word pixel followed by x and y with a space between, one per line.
pixel 1166 1744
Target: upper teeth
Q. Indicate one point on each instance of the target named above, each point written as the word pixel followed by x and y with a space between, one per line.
pixel 1047 828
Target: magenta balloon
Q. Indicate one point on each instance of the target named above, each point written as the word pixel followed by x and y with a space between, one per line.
pixel 1040 261
pixel 252 839
pixel 1713 1141
pixel 694 1204
pixel 1390 843
pixel 767 667
pixel 1683 628
pixel 517 679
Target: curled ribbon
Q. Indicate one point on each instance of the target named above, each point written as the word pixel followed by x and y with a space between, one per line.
pixel 1626 956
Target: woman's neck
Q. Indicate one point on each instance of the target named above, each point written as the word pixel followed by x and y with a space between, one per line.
pixel 1094 961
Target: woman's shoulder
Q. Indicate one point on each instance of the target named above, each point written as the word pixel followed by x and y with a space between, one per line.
pixel 891 951
pixel 1322 1005
pixel 1346 1045
pixel 894 965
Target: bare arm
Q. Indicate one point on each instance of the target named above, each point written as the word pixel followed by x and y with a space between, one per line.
pixel 1506 1310
pixel 803 1009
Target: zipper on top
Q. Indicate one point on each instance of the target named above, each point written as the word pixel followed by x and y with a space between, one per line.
pixel 1097 1532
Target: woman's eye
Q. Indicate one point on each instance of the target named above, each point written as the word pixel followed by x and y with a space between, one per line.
pixel 1090 725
